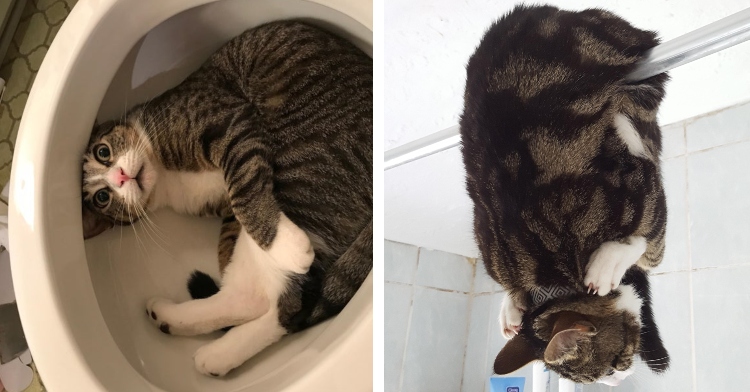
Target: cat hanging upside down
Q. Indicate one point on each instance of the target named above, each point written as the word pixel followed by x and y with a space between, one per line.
pixel 562 165
pixel 273 134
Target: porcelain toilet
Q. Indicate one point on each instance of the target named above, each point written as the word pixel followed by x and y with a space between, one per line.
pixel 82 303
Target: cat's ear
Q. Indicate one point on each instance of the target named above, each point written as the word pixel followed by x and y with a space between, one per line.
pixel 564 344
pixel 514 355
pixel 94 224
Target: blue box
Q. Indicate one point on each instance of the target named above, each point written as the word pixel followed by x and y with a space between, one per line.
pixel 507 384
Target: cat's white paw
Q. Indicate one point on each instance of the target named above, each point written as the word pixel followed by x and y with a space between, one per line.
pixel 211 360
pixel 610 261
pixel 292 248
pixel 511 316
pixel 157 310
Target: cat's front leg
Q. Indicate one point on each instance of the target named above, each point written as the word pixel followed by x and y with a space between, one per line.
pixel 511 315
pixel 610 261
pixel 245 157
pixel 291 247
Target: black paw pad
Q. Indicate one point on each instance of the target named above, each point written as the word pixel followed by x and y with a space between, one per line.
pixel 164 327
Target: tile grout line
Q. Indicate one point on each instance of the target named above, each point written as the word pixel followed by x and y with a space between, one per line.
pixel 690 269
pixel 408 326
pixel 468 322
pixel 708 149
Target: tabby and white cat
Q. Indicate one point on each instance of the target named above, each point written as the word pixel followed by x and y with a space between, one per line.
pixel 274 134
pixel 562 164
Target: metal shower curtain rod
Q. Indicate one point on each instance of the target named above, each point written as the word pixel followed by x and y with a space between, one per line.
pixel 709 39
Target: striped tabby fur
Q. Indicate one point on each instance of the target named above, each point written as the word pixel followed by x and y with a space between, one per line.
pixel 274 134
pixel 562 165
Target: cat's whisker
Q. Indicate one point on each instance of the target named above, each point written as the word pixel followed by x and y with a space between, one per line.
pixel 150 227
pixel 135 232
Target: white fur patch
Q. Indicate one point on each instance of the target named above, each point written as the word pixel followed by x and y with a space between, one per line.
pixel 291 248
pixel 511 315
pixel 629 135
pixel 616 378
pixel 187 192
pixel 629 301
pixel 608 264
pixel 239 344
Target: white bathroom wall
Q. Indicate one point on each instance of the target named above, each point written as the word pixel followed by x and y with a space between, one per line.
pixel 427 43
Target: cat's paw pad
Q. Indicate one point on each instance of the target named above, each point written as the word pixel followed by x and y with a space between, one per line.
pixel 511 316
pixel 291 247
pixel 155 307
pixel 608 264
pixel 211 361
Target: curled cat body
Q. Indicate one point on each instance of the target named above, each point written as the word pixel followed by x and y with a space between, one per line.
pixel 274 135
pixel 562 166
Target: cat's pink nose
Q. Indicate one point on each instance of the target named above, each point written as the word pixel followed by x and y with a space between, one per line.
pixel 119 177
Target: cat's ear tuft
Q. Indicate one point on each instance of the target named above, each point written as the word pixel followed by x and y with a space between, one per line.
pixel 564 344
pixel 514 355
pixel 94 224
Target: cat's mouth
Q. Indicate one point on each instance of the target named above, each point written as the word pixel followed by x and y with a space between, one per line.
pixel 139 179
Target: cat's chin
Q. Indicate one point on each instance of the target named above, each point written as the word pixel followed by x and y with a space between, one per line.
pixel 616 378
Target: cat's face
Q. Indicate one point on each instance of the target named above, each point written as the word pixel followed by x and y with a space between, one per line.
pixel 586 342
pixel 118 176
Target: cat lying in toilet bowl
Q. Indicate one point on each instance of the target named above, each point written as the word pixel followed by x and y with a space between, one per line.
pixel 274 135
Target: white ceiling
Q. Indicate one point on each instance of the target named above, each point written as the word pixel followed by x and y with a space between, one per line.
pixel 427 44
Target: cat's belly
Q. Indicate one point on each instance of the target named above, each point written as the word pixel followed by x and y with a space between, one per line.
pixel 189 192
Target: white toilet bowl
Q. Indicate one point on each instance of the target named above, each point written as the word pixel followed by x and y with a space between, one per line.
pixel 82 304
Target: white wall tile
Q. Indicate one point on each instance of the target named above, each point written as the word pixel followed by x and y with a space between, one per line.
pixel 726 126
pixel 436 342
pixel 476 369
pixel 397 303
pixel 675 187
pixel 718 193
pixel 673 140
pixel 721 302
pixel 400 262
pixel 444 271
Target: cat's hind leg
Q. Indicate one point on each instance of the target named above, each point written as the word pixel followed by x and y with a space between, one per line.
pixel 610 261
pixel 241 298
pixel 238 345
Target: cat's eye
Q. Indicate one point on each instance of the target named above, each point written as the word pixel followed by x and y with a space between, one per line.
pixel 101 198
pixel 102 153
pixel 611 372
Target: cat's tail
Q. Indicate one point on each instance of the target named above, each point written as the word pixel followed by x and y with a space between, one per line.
pixel 201 286
pixel 340 282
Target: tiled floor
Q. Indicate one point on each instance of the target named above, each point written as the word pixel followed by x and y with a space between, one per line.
pixel 700 291
pixel 39 24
